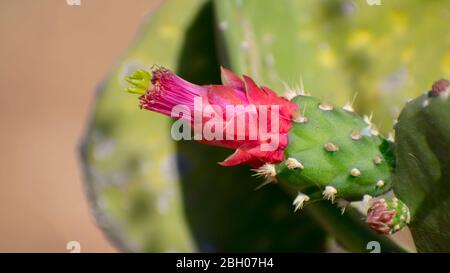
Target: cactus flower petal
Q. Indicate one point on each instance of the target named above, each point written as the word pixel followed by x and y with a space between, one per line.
pixel 264 117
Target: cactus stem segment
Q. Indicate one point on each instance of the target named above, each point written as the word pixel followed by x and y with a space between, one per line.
pixel 300 200
pixel 292 163
pixel 331 147
pixel 355 172
pixel 325 106
pixel 329 193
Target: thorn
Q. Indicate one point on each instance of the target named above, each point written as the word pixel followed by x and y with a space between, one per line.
pixel 380 183
pixel 267 170
pixel 342 204
pixel 302 87
pixel 292 163
pixel 268 181
pixel 374 131
pixel 349 105
pixel 397 227
pixel 391 137
pixel 355 172
pixel 300 200
pixel 377 160
pixel 402 218
pixel 356 135
pixel 330 147
pixel 300 118
pixel 291 92
pixel 289 95
pixel 394 202
pixel 366 201
pixel 325 106
pixel 329 193
pixel 368 119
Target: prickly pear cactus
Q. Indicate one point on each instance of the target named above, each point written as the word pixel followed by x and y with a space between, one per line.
pixel 151 194
pixel 335 151
pixel 422 176
pixel 285 54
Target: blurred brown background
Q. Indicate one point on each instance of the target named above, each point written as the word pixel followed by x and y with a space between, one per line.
pixel 52 56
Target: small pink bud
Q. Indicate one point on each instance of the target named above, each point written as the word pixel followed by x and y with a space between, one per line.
pixel 440 87
pixel 387 216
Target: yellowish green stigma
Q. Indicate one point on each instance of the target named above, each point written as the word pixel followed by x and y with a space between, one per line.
pixel 140 79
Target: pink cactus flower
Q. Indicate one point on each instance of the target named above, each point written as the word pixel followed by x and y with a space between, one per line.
pixel 266 117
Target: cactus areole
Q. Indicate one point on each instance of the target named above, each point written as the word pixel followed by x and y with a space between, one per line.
pixel 305 142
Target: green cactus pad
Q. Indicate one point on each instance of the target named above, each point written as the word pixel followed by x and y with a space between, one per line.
pixel 422 175
pixel 336 148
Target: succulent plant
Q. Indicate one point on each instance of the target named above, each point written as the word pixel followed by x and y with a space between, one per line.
pixel 326 151
pixel 422 178
pixel 329 149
